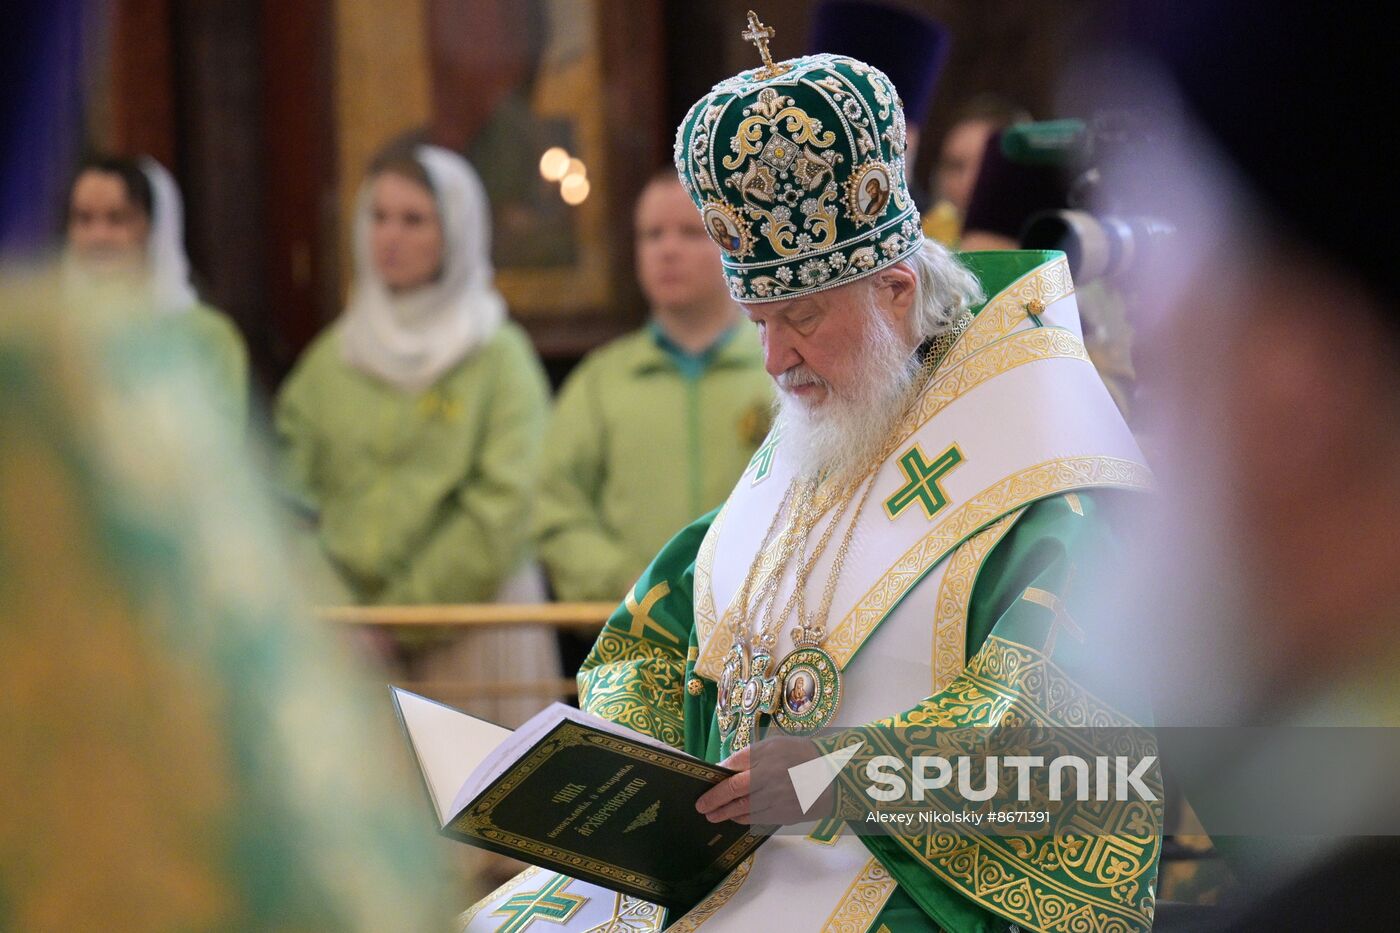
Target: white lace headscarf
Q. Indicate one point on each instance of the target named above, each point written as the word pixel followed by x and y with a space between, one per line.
pixel 410 339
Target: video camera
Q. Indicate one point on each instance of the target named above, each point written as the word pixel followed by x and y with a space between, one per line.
pixel 1102 239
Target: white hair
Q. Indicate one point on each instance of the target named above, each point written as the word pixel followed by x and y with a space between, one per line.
pixel 842 436
pixel 944 288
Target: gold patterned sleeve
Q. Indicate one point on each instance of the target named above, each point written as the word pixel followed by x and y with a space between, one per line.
pixel 635 674
pixel 1045 664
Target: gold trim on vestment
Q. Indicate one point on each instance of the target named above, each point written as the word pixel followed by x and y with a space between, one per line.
pixel 706 616
pixel 1006 310
pixel 863 900
pixel 951 383
pixel 1065 879
pixel 1015 491
pixel 955 599
pixel 465 918
pixel 632 915
pixel 636 683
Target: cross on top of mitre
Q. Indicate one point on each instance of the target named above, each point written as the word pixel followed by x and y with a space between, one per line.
pixel 760 34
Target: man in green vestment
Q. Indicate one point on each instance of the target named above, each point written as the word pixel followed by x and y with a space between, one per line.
pixel 654 428
pixel 922 539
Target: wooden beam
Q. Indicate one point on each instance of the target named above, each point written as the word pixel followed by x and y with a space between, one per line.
pixel 552 687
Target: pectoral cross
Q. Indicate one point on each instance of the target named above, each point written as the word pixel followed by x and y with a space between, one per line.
pixel 757 695
pixel 759 34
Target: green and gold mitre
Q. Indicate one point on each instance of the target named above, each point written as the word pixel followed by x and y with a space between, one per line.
pixel 797 168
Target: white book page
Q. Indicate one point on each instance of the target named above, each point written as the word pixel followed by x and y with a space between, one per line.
pixel 512 749
pixel 449 745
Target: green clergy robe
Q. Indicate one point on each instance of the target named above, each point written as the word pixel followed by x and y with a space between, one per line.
pixel 417 497
pixel 184 747
pixel 639 444
pixel 1059 545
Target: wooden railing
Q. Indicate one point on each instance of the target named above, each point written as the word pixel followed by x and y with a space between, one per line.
pixel 583 618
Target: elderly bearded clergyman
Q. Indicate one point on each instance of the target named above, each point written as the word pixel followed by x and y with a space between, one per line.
pixel 917 537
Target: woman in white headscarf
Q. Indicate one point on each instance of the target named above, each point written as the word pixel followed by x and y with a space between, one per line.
pixel 411 427
pixel 124 241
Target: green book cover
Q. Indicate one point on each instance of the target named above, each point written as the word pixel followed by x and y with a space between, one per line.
pixel 581 796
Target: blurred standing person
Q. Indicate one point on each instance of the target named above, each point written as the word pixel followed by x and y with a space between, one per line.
pixel 124 243
pixel 653 429
pixel 960 163
pixel 411 427
pixel 1271 345
pixel 1005 194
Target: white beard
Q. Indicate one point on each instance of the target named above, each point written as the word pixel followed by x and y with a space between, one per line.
pixel 843 435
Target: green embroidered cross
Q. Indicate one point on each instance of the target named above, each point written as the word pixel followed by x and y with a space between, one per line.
pixel 548 903
pixel 762 462
pixel 641 612
pixel 923 480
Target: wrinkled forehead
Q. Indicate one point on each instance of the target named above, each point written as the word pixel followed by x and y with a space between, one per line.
pixel 852 294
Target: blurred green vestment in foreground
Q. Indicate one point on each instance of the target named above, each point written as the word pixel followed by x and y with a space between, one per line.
pixel 184 749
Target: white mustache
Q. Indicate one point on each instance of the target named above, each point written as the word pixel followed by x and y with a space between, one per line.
pixel 800 376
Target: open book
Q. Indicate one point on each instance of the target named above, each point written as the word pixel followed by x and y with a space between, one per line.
pixel 576 794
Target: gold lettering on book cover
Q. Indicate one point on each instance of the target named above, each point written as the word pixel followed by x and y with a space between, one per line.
pixel 478 820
